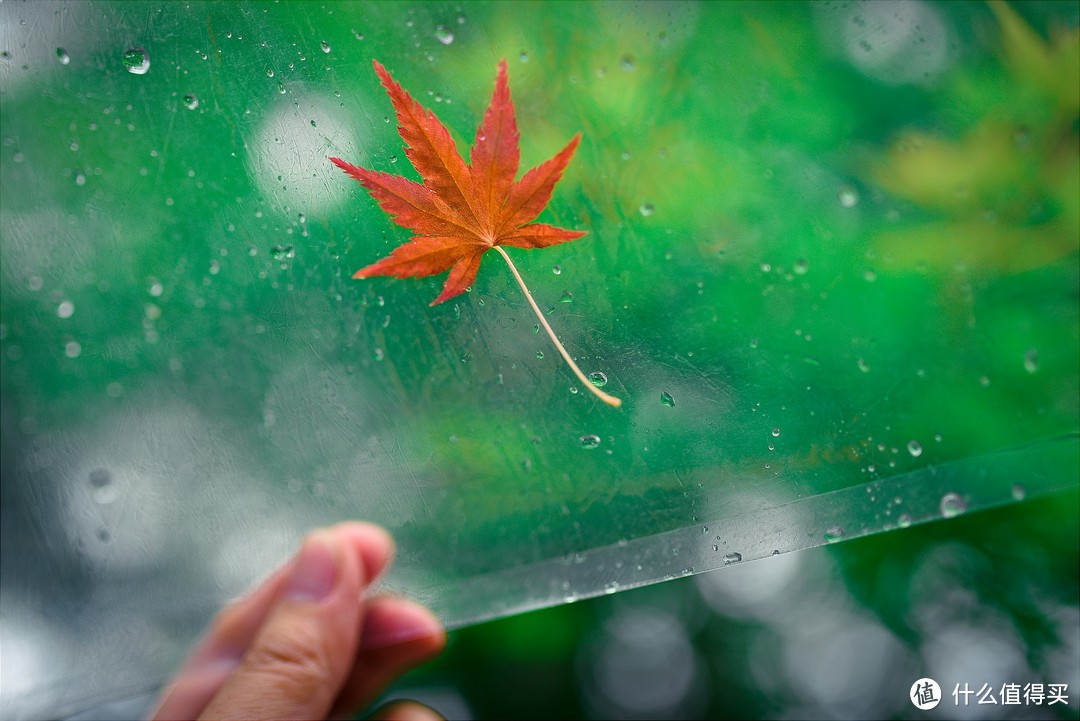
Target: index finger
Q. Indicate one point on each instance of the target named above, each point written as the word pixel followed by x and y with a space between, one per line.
pixel 237 625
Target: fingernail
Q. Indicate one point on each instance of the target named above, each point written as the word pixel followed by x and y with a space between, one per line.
pixel 397 620
pixel 313 576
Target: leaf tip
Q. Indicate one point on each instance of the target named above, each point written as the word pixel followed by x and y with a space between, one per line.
pixel 384 76
pixel 443 297
pixel 347 167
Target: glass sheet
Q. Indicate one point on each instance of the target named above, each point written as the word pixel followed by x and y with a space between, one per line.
pixel 831 270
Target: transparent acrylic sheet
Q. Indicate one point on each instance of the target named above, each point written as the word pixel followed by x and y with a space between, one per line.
pixel 888 504
pixel 807 340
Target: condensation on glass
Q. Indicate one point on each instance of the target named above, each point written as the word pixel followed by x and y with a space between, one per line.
pixel 825 270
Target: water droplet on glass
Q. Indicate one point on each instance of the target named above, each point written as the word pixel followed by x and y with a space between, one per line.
pixel 573 390
pixel 666 399
pixel 801 266
pixel 100 477
pixel 536 328
pixel 647 209
pixel 443 34
pixel 1018 492
pixel 862 365
pixel 914 448
pixel 137 61
pixel 1031 361
pixel 269 72
pixel 62 56
pixel 627 62
pixel 598 379
pixel 590 441
pixel 903 520
pixel 952 505
pixel 776 432
pixel 834 534
pixel 72 349
pixel 282 252
pixel 191 102
pixel 65 309
pixel 556 270
pixel 732 558
pixel 567 297
pixel 523 57
pixel 102 487
pixel 539 354
pixel 281 88
pixel 848 196
pixel 325 46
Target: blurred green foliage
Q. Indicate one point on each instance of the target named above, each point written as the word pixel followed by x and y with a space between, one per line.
pixel 854 226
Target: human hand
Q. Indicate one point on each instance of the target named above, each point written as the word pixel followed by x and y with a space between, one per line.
pixel 304 644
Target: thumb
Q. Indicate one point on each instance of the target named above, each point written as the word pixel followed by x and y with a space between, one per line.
pixel 299 659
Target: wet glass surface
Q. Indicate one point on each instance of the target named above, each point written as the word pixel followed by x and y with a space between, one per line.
pixel 831 270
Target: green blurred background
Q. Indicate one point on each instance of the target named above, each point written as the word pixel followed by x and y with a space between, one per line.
pixel 832 250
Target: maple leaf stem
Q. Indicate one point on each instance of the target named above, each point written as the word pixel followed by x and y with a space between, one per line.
pixel 609 399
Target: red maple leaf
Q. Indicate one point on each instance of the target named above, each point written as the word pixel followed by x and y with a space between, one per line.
pixel 461 211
